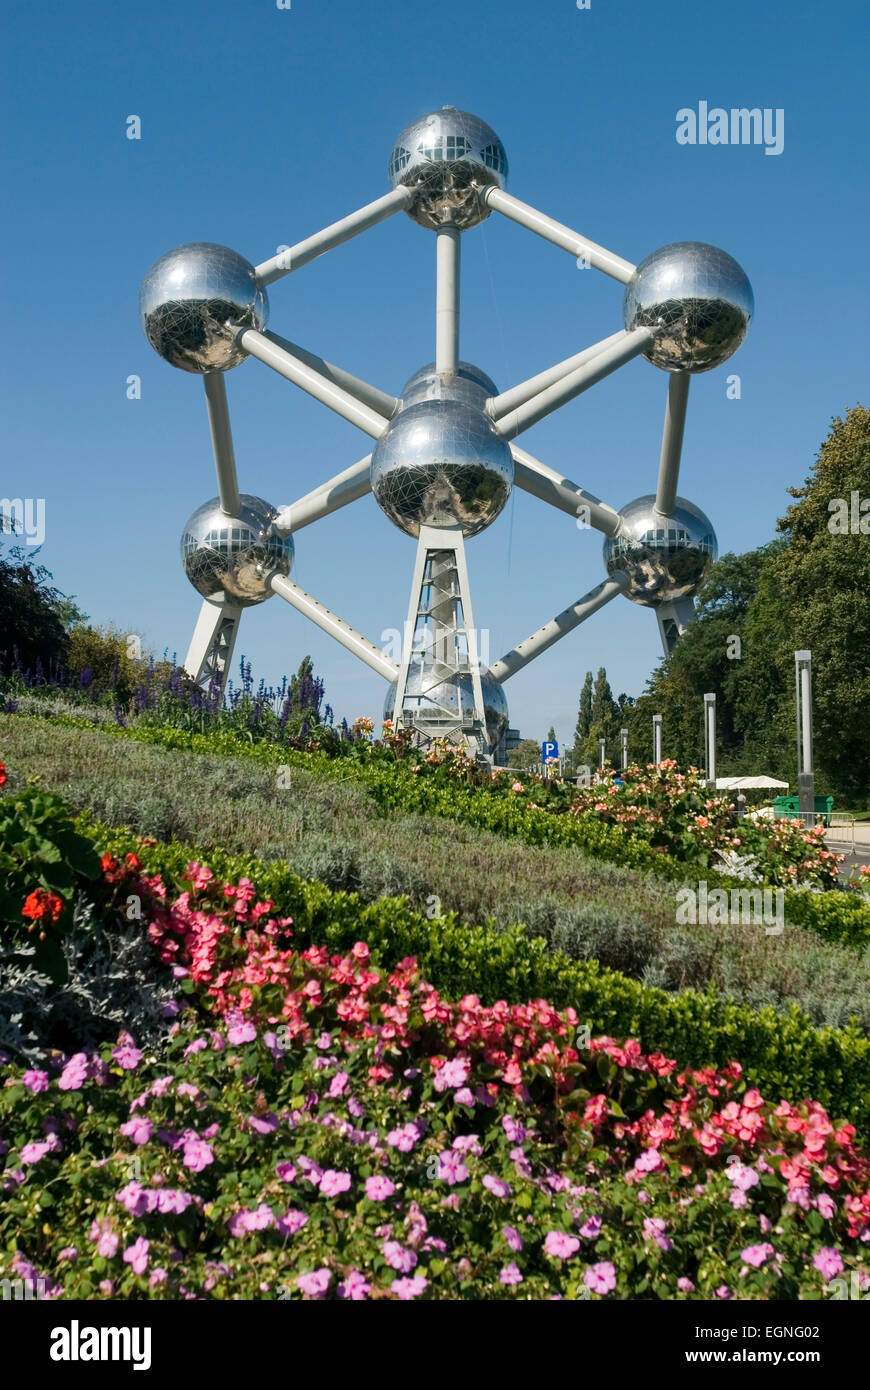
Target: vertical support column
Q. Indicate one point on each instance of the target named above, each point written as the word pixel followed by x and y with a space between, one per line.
pixel 623 734
pixel 211 647
pixel 439 690
pixel 447 260
pixel 673 619
pixel 710 737
pixel 222 441
pixel 803 672
pixel 657 739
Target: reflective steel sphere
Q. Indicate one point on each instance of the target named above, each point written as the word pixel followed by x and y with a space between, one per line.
pixel 232 557
pixel 441 463
pixel 666 558
pixel 698 300
pixel 468 383
pixel 457 694
pixel 448 156
pixel 193 302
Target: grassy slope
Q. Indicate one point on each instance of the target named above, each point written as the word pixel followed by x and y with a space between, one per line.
pixel 332 830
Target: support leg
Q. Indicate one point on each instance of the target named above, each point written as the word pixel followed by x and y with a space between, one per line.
pixel 211 648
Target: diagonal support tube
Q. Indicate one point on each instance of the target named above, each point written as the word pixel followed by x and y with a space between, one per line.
pixel 264 347
pixel 499 406
pixel 381 402
pixel 337 232
pixel 349 486
pixel 672 442
pixel 336 627
pixel 549 486
pixel 222 441
pixel 595 369
pixel 559 234
pixel 559 627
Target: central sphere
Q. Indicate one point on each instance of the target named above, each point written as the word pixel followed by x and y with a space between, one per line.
pixel 456 693
pixel 448 157
pixel 232 557
pixel 666 558
pixel 468 383
pixel 442 463
pixel 698 300
pixel 193 302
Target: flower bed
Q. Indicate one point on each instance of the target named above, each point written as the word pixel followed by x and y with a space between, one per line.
pixel 343 1133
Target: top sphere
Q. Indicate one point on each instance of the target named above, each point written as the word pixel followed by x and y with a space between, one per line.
pixel 698 300
pixel 449 157
pixel 193 302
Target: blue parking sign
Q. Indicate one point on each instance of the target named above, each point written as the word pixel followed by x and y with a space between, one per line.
pixel 549 750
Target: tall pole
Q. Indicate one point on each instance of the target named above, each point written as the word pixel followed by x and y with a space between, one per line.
pixel 672 442
pixel 447 258
pixel 623 734
pixel 710 737
pixel 803 668
pixel 657 739
pixel 601 754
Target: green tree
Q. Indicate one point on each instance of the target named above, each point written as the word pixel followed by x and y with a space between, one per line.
pixel 34 616
pixel 815 594
pixel 584 722
pixel 526 754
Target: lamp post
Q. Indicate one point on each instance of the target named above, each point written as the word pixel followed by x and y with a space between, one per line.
pixel 710 737
pixel 803 676
pixel 601 754
pixel 623 734
pixel 657 739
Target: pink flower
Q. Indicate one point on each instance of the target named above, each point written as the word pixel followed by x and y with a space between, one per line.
pixel 591 1229
pixel 105 1239
pixel 291 1222
pixel 757 1254
pixel 600 1278
pixel 241 1032
pixel 355 1287
pixel 32 1153
pixel 197 1154
pixel 136 1255
pixel 338 1084
pixel 828 1262
pixel 378 1189
pixel 405 1289
pixel 128 1056
pixel 560 1245
pixel 497 1186
pixel 398 1257
pixel 685 1285
pixel 513 1237
pixel 75 1073
pixel 263 1124
pixel 454 1073
pixel 826 1205
pixel 286 1171
pixel 157 1276
pixel 451 1169
pixel 314 1284
pixel 35 1081
pixel 332 1183
pixel 138 1129
pixel 510 1275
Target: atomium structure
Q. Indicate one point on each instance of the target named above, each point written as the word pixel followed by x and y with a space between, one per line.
pixel 444 458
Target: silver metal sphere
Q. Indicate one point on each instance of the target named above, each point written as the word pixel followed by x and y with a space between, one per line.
pixel 666 558
pixel 468 383
pixel 232 557
pixel 698 300
pixel 441 463
pixel 448 156
pixel 457 695
pixel 193 302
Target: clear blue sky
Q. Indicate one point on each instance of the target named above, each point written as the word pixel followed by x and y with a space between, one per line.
pixel 260 125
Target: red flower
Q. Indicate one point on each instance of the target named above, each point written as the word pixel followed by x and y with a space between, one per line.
pixel 39 904
pixel 2 774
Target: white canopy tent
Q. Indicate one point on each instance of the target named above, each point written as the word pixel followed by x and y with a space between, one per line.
pixel 736 784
